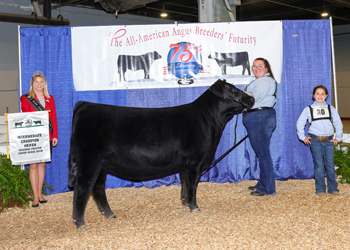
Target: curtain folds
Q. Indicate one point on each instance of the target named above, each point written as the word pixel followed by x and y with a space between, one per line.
pixel 306 63
pixel 48 49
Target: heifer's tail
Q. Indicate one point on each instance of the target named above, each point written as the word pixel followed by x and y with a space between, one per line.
pixel 73 170
pixel 73 167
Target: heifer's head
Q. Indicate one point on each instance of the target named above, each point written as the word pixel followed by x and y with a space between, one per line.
pixel 236 98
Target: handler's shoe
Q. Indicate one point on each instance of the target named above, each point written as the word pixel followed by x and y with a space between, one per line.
pixel 321 194
pixel 335 193
pixel 252 188
pixel 257 193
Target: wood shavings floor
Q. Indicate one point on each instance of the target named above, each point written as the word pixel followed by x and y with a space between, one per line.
pixel 229 218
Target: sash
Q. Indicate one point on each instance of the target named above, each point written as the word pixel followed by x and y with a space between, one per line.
pixel 38 107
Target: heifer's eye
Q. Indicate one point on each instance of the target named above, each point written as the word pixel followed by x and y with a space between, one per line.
pixel 232 89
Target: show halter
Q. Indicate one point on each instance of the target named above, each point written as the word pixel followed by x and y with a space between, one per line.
pixel 235 144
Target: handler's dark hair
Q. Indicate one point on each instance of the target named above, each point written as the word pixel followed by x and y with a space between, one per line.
pixel 267 65
pixel 320 87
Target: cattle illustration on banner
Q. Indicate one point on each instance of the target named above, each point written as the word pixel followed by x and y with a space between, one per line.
pixel 140 62
pixel 168 56
pixel 231 60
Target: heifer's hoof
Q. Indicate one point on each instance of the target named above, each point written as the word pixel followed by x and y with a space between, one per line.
pixel 194 209
pixel 109 215
pixel 80 225
pixel 112 216
pixel 185 203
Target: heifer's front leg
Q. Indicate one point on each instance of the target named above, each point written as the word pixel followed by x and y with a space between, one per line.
pixel 192 179
pixel 99 194
pixel 184 197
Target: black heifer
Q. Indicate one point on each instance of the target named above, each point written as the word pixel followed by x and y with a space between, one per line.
pixel 231 59
pixel 140 62
pixel 140 144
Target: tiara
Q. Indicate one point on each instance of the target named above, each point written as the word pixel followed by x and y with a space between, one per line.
pixel 38 73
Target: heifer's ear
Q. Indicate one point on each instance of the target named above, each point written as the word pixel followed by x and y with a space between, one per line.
pixel 218 87
pixel 222 89
pixel 225 90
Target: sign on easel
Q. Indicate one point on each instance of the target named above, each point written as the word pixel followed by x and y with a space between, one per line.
pixel 29 137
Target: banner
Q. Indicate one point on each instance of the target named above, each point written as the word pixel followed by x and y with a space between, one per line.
pixel 29 137
pixel 172 55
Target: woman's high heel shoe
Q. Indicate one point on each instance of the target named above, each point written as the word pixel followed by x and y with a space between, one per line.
pixel 35 205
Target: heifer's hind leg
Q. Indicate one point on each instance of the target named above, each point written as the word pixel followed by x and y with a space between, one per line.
pixel 85 182
pixel 81 195
pixel 99 194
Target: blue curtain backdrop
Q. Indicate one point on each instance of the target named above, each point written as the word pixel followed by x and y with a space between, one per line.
pixel 306 63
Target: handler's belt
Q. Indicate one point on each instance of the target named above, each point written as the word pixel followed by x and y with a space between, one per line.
pixel 322 138
pixel 257 109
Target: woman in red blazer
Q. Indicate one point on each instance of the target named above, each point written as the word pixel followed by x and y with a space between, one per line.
pixel 38 90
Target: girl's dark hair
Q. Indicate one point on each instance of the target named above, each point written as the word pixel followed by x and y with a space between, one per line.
pixel 320 87
pixel 267 65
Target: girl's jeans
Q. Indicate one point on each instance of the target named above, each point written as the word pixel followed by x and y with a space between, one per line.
pixel 260 125
pixel 323 156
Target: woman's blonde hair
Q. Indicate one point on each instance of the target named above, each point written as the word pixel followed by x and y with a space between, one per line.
pixel 31 90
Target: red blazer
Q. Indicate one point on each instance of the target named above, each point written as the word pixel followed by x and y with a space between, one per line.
pixel 49 105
